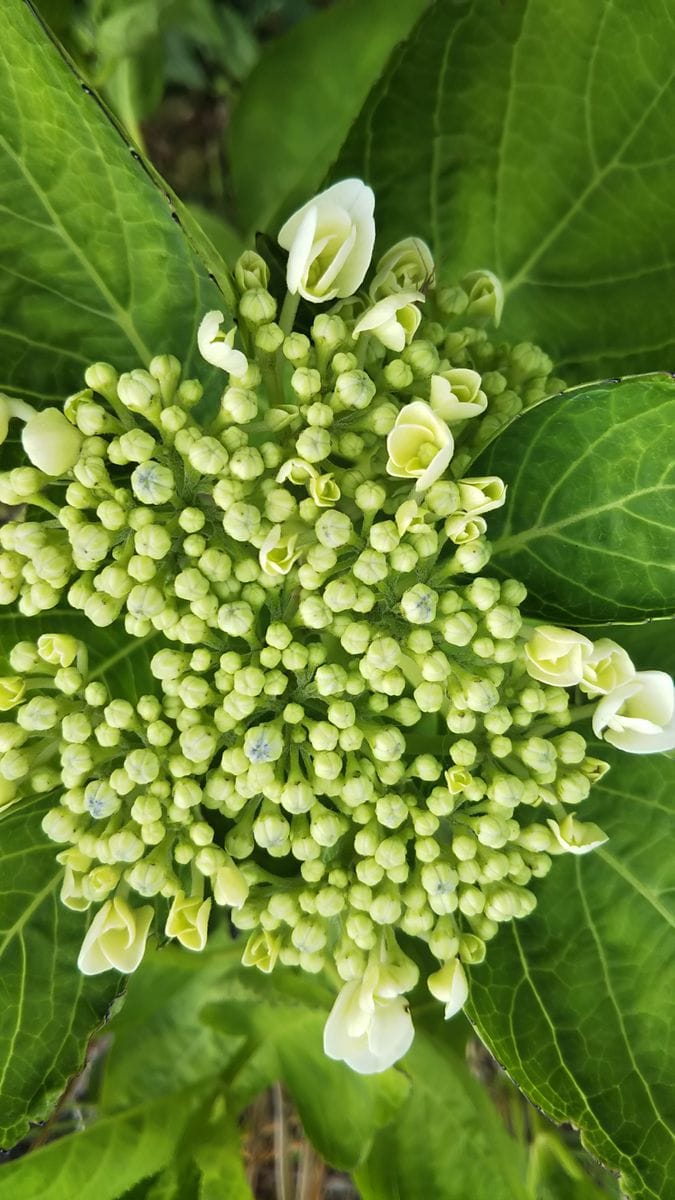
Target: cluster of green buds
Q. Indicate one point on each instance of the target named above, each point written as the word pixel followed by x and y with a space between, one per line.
pixel 352 731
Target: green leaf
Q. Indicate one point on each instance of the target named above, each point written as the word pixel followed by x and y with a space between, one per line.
pixel 536 140
pixel 123 663
pixel 299 102
pixel 578 1002
pixel 589 515
pixel 105 1160
pixel 223 238
pixel 283 1018
pixel 159 1042
pixel 48 1008
pixel 447 1141
pixel 93 265
pixel 218 1155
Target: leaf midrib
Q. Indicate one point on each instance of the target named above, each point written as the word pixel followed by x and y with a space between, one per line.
pixel 121 316
pixel 538 531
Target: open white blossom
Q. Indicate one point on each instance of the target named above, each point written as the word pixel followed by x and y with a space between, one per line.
pixel 607 667
pixel 577 837
pixel 330 242
pixel 188 921
pixel 367 1031
pixel 481 494
pixel 218 348
pixel 394 320
pixel 116 938
pixel 420 445
pixel 557 656
pixel 278 552
pixel 456 394
pixel 639 716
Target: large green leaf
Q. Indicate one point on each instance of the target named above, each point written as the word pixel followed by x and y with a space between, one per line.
pixel 578 1001
pixel 282 1018
pixel 159 1042
pixel 105 1160
pixel 447 1141
pixel 298 104
pixel 48 1008
pixel 589 517
pixel 536 139
pixel 93 262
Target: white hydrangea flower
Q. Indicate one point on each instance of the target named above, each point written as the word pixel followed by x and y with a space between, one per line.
pixel 218 348
pixel 456 394
pixel 607 667
pixel 188 921
pixel 481 494
pixel 51 442
pixel 278 553
pixel 394 320
pixel 639 716
pixel 577 837
pixel 330 242
pixel 420 445
pixel 557 656
pixel 367 1031
pixel 116 938
pixel 408 265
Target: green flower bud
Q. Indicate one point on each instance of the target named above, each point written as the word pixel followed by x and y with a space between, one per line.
pixel 570 747
pixel 271 830
pixel 142 766
pixel 314 444
pixel 440 881
pixel 148 879
pixel 257 306
pixel 314 613
pixel 137 445
pixel 354 389
pixel 125 846
pixel 152 483
pixel 241 521
pixel 387 744
pixel 328 331
pixel 102 378
pixel 251 271
pixel 422 357
pixel 458 630
pixel 236 619
pixel 40 713
pixel 419 603
pixel 296 348
pixel 139 392
pixel 397 375
pixel 268 339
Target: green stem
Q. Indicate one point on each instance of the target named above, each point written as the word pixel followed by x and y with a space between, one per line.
pixel 288 311
pixel 581 713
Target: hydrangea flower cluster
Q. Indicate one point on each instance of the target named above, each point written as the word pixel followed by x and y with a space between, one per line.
pixel 353 732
